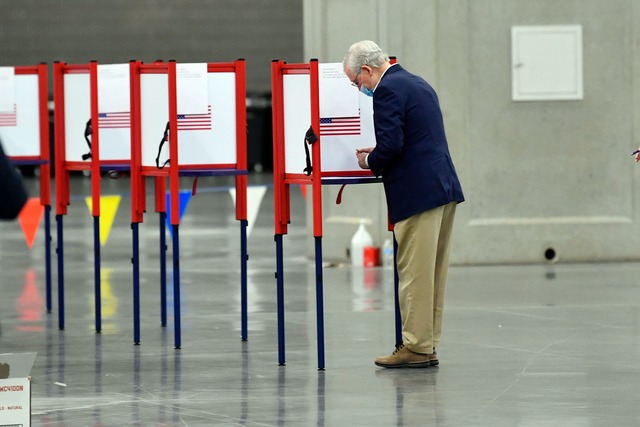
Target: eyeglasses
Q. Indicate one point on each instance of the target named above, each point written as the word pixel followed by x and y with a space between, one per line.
pixel 355 82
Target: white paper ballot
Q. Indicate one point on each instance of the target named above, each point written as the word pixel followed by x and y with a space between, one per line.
pixel 7 89
pixel 191 81
pixel 113 88
pixel 338 97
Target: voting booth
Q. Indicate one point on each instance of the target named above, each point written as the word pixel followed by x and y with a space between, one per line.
pixel 24 132
pixel 319 120
pixel 187 120
pixel 92 134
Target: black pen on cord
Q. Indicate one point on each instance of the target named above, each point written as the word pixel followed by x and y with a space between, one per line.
pixel 635 152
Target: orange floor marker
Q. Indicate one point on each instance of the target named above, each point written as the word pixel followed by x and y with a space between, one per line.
pixel 30 217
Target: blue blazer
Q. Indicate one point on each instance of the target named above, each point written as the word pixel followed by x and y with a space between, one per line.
pixel 411 152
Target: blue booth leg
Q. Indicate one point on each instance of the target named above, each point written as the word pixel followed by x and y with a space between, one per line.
pixel 280 298
pixel 243 280
pixel 163 269
pixel 96 273
pixel 60 252
pixel 319 302
pixel 176 286
pixel 135 260
pixel 396 282
pixel 47 255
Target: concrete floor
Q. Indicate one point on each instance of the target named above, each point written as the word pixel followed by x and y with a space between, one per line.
pixel 535 345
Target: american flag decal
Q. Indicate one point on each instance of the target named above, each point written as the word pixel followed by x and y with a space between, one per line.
pixel 195 121
pixel 114 120
pixel 9 118
pixel 339 126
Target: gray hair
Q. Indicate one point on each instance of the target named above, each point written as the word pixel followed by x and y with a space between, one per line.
pixel 364 52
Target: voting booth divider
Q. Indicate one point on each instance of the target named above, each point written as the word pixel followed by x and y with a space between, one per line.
pixel 90 107
pixel 24 132
pixel 319 120
pixel 188 120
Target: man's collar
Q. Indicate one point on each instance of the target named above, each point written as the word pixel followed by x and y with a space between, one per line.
pixel 383 74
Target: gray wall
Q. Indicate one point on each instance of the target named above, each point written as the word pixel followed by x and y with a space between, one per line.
pixel 116 31
pixel 536 175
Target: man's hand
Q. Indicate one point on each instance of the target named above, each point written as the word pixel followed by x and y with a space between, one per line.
pixel 361 154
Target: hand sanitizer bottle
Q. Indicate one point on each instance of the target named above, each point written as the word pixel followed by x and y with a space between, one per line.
pixel 359 241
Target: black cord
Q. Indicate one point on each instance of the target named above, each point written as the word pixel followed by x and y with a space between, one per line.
pixel 165 137
pixel 309 138
pixel 87 134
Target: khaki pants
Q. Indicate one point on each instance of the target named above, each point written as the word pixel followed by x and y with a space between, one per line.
pixel 423 263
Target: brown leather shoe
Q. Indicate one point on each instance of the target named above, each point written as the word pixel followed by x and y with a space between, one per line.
pixel 433 359
pixel 402 357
